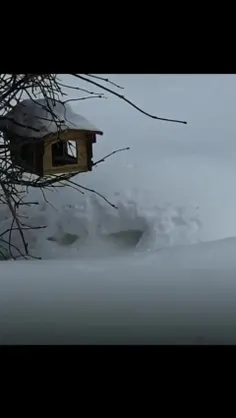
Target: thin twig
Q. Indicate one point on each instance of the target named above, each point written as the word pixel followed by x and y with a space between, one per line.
pixel 109 155
pixel 106 80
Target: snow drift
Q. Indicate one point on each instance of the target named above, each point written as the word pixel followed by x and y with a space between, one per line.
pixel 86 226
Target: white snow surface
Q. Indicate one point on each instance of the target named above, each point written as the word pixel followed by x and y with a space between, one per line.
pixel 182 295
pixel 88 226
pixel 161 267
pixel 32 118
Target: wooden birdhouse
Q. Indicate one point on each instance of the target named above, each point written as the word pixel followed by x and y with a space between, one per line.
pixel 46 142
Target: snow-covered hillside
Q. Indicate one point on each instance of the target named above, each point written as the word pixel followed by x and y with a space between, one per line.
pixel 135 274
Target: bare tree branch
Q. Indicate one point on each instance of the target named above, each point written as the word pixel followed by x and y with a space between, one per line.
pixel 109 155
pixel 126 100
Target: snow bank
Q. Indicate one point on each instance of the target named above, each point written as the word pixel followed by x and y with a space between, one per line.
pixel 86 226
pixel 180 295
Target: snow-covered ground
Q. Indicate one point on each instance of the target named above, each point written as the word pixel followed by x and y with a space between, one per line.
pixel 181 295
pixel 132 275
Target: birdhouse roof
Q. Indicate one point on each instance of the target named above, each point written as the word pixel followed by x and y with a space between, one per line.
pixel 32 119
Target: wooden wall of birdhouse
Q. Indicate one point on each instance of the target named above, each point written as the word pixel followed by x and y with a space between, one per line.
pixel 71 151
pixel 56 153
pixel 26 153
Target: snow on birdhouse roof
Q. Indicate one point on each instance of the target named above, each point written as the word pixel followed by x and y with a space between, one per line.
pixel 33 119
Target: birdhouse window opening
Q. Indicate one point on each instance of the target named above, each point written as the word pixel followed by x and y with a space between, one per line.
pixel 64 153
